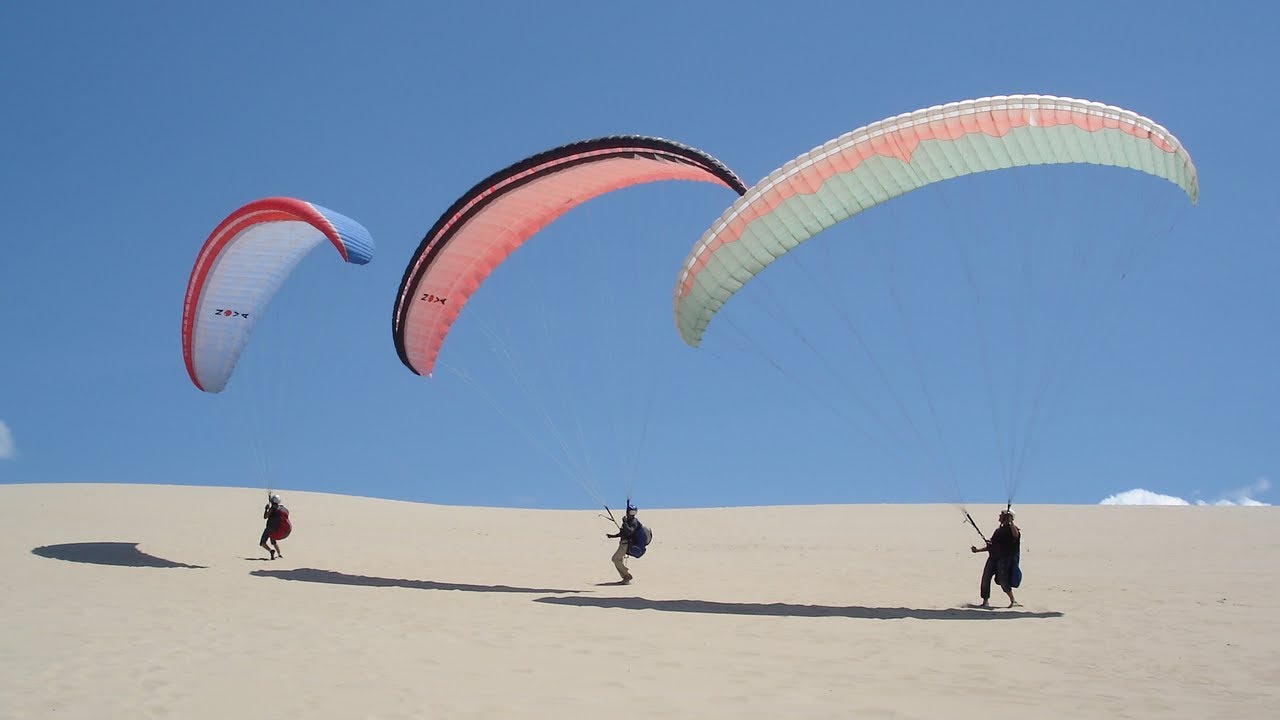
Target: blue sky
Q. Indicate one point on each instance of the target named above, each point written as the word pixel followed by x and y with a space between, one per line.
pixel 132 129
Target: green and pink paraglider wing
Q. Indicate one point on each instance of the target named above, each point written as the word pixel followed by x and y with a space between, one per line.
pixel 881 161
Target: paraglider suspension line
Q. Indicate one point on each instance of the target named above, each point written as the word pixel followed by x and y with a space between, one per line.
pixel 975 526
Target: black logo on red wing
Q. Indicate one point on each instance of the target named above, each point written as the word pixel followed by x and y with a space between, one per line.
pixel 428 297
pixel 230 313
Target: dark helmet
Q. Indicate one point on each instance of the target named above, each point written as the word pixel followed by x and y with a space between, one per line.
pixel 631 509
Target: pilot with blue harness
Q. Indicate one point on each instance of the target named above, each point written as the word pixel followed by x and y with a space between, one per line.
pixel 632 540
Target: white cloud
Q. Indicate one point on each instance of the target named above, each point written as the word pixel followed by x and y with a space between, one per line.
pixel 7 448
pixel 1138 496
pixel 1244 495
pixel 1240 496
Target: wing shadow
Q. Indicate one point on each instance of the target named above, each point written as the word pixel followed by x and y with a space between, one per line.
pixel 121 554
pixel 792 610
pixel 331 577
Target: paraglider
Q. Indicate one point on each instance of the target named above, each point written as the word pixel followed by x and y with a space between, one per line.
pixel 633 539
pixel 242 264
pixel 884 160
pixel 278 525
pixel 477 234
pixel 239 269
pixel 501 212
pixel 1003 553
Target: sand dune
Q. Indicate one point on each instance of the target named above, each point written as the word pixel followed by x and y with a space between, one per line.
pixel 129 601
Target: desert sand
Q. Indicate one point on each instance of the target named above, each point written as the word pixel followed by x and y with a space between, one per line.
pixel 132 601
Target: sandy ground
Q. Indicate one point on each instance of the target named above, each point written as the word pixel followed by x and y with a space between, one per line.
pixel 131 601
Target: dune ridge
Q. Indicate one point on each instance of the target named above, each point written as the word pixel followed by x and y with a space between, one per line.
pixel 133 601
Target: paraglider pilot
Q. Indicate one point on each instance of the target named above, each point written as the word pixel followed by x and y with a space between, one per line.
pixel 277 517
pixel 626 534
pixel 1002 557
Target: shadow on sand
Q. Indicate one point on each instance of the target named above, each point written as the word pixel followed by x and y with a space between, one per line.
pixel 107 553
pixel 336 578
pixel 789 610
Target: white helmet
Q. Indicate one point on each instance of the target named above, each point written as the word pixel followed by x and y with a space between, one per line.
pixel 274 498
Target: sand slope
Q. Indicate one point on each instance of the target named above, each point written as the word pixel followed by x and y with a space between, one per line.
pixel 384 609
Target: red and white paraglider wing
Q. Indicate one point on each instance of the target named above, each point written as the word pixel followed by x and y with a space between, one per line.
pixel 491 220
pixel 239 269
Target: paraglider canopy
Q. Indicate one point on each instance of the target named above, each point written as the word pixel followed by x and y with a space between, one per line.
pixel 502 211
pixel 242 264
pixel 886 159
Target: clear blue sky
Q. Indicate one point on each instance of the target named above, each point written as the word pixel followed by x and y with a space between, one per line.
pixel 130 129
